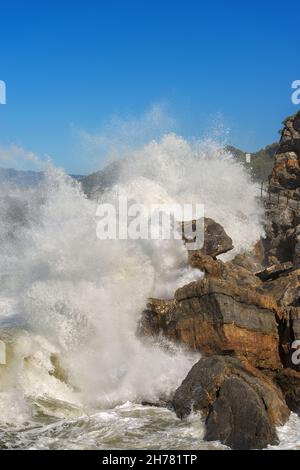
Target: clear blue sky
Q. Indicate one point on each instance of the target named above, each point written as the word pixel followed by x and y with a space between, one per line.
pixel 73 64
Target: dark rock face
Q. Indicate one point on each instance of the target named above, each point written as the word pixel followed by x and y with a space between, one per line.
pixel 282 242
pixel 282 223
pixel 216 386
pixel 274 271
pixel 289 382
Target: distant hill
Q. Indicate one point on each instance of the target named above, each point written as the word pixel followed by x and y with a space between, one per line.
pixel 20 178
pixel 262 162
pixel 260 168
pixel 25 178
pixel 103 179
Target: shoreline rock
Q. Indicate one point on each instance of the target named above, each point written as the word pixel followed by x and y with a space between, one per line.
pixel 243 316
pixel 216 385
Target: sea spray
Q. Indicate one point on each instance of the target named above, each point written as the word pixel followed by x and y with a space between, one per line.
pixel 75 300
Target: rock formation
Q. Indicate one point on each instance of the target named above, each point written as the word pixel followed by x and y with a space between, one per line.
pixel 216 385
pixel 243 316
pixel 282 241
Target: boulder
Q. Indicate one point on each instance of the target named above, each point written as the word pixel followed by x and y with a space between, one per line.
pixel 290 136
pixel 217 386
pixel 216 241
pixel 215 316
pixel 286 171
pixel 289 382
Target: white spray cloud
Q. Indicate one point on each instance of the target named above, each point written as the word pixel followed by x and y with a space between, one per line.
pixel 15 156
pixel 80 298
pixel 120 135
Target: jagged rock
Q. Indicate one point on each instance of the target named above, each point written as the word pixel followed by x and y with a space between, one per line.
pixel 282 241
pixel 241 270
pixel 279 242
pixel 216 386
pixel 274 271
pixel 289 382
pixel 296 254
pixel 244 315
pixel 283 289
pixel 212 267
pixel 216 240
pixel 286 171
pixel 215 316
pixel 289 330
pixel 290 136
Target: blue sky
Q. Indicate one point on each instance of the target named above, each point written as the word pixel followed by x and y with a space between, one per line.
pixel 73 68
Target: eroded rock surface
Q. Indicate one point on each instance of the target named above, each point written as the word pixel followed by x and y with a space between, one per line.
pixel 216 315
pixel 241 406
pixel 243 316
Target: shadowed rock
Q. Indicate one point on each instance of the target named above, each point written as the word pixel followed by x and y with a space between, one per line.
pixel 274 271
pixel 241 406
pixel 289 382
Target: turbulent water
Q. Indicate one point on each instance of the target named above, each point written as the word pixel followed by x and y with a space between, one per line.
pixel 75 373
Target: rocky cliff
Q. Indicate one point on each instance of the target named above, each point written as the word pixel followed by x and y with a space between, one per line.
pixel 243 316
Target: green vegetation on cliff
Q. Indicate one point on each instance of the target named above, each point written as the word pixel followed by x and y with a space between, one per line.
pixel 262 162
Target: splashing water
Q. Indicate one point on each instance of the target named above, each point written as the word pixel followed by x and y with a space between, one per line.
pixel 69 303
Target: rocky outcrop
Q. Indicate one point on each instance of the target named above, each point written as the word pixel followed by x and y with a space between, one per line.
pixel 289 382
pixel 214 316
pixel 215 242
pixel 286 171
pixel 215 239
pixel 282 242
pixel 216 385
pixel 244 317
pixel 290 136
pixel 274 271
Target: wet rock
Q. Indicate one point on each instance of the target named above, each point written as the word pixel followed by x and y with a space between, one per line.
pixel 216 240
pixel 289 382
pixel 274 271
pixel 216 385
pixel 284 289
pixel 216 316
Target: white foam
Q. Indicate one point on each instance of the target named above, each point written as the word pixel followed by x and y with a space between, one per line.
pixel 80 298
